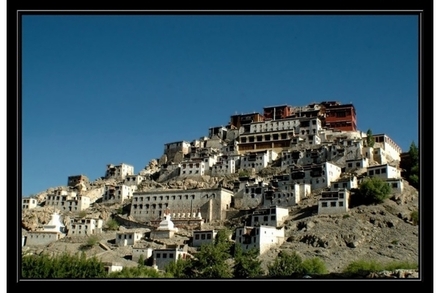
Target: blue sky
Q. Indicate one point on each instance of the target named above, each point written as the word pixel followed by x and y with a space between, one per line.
pixel 114 89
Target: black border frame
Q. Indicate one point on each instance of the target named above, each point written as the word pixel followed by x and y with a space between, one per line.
pixel 423 8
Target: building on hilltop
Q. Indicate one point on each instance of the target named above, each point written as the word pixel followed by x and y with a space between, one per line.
pixel 118 172
pixel 340 116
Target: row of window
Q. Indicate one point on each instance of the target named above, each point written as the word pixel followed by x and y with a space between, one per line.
pixel 203 236
pixel 324 204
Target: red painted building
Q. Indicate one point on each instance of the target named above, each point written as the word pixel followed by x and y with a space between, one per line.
pixel 342 117
pixel 276 112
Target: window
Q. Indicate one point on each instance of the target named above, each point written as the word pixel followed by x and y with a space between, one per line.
pixel 164 255
pixel 324 205
pixel 203 236
pixel 371 172
pixel 377 171
pixel 265 218
pixel 394 185
pixel 341 204
pixel 333 204
pixel 272 218
pixel 171 255
pixel 350 165
pixel 341 195
pixel 208 236
pixel 383 170
pixel 197 236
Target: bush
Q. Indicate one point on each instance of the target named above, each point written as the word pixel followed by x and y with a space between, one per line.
pixel 374 190
pixel 285 265
pixel 112 224
pixel 314 266
pixel 363 266
pixel 415 217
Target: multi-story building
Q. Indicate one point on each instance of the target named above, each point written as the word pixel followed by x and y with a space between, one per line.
pixel 85 226
pixel 151 205
pixel 270 216
pixel 68 201
pixel 128 237
pixel 118 172
pixel 173 148
pixel 340 116
pixel 118 192
pixel 28 203
pixel 262 238
pixel 317 175
pixel 171 253
pixel 332 202
pixel 384 171
pixel 201 237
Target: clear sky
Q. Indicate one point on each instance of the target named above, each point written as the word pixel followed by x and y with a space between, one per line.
pixel 111 89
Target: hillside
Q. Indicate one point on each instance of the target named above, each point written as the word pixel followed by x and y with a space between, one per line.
pixel 382 232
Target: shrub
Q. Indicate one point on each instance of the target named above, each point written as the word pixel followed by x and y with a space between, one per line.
pixel 82 214
pixel 363 266
pixel 112 224
pixel 285 265
pixel 415 217
pixel 314 266
pixel 374 190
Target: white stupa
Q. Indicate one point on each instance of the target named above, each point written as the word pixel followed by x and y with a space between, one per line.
pixel 167 224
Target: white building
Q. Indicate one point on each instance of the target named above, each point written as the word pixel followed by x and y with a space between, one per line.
pixel 173 148
pixel 151 205
pixel 262 238
pixel 356 164
pixel 257 160
pixel 85 226
pixel 270 216
pixel 224 165
pixel 189 168
pixel 128 237
pixel 51 232
pixel 118 172
pixel 317 175
pixel 333 202
pixel 68 201
pixel 118 192
pixel 348 182
pixel 133 180
pixel 388 145
pixel 163 256
pixel 28 203
pixel 201 237
pixel 384 171
pixel 396 185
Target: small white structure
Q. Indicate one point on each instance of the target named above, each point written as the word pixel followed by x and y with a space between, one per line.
pixel 396 185
pixel 262 238
pixel 51 232
pixel 356 164
pixel 333 202
pixel 166 228
pixel 271 216
pixel 111 267
pixel 128 237
pixel 139 250
pixel 201 237
pixel 163 256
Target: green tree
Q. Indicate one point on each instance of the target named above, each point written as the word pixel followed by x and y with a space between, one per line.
pixel 246 264
pixel 414 164
pixel 370 138
pixel 211 260
pixel 285 265
pixel 374 190
pixel 180 269
pixel 62 266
